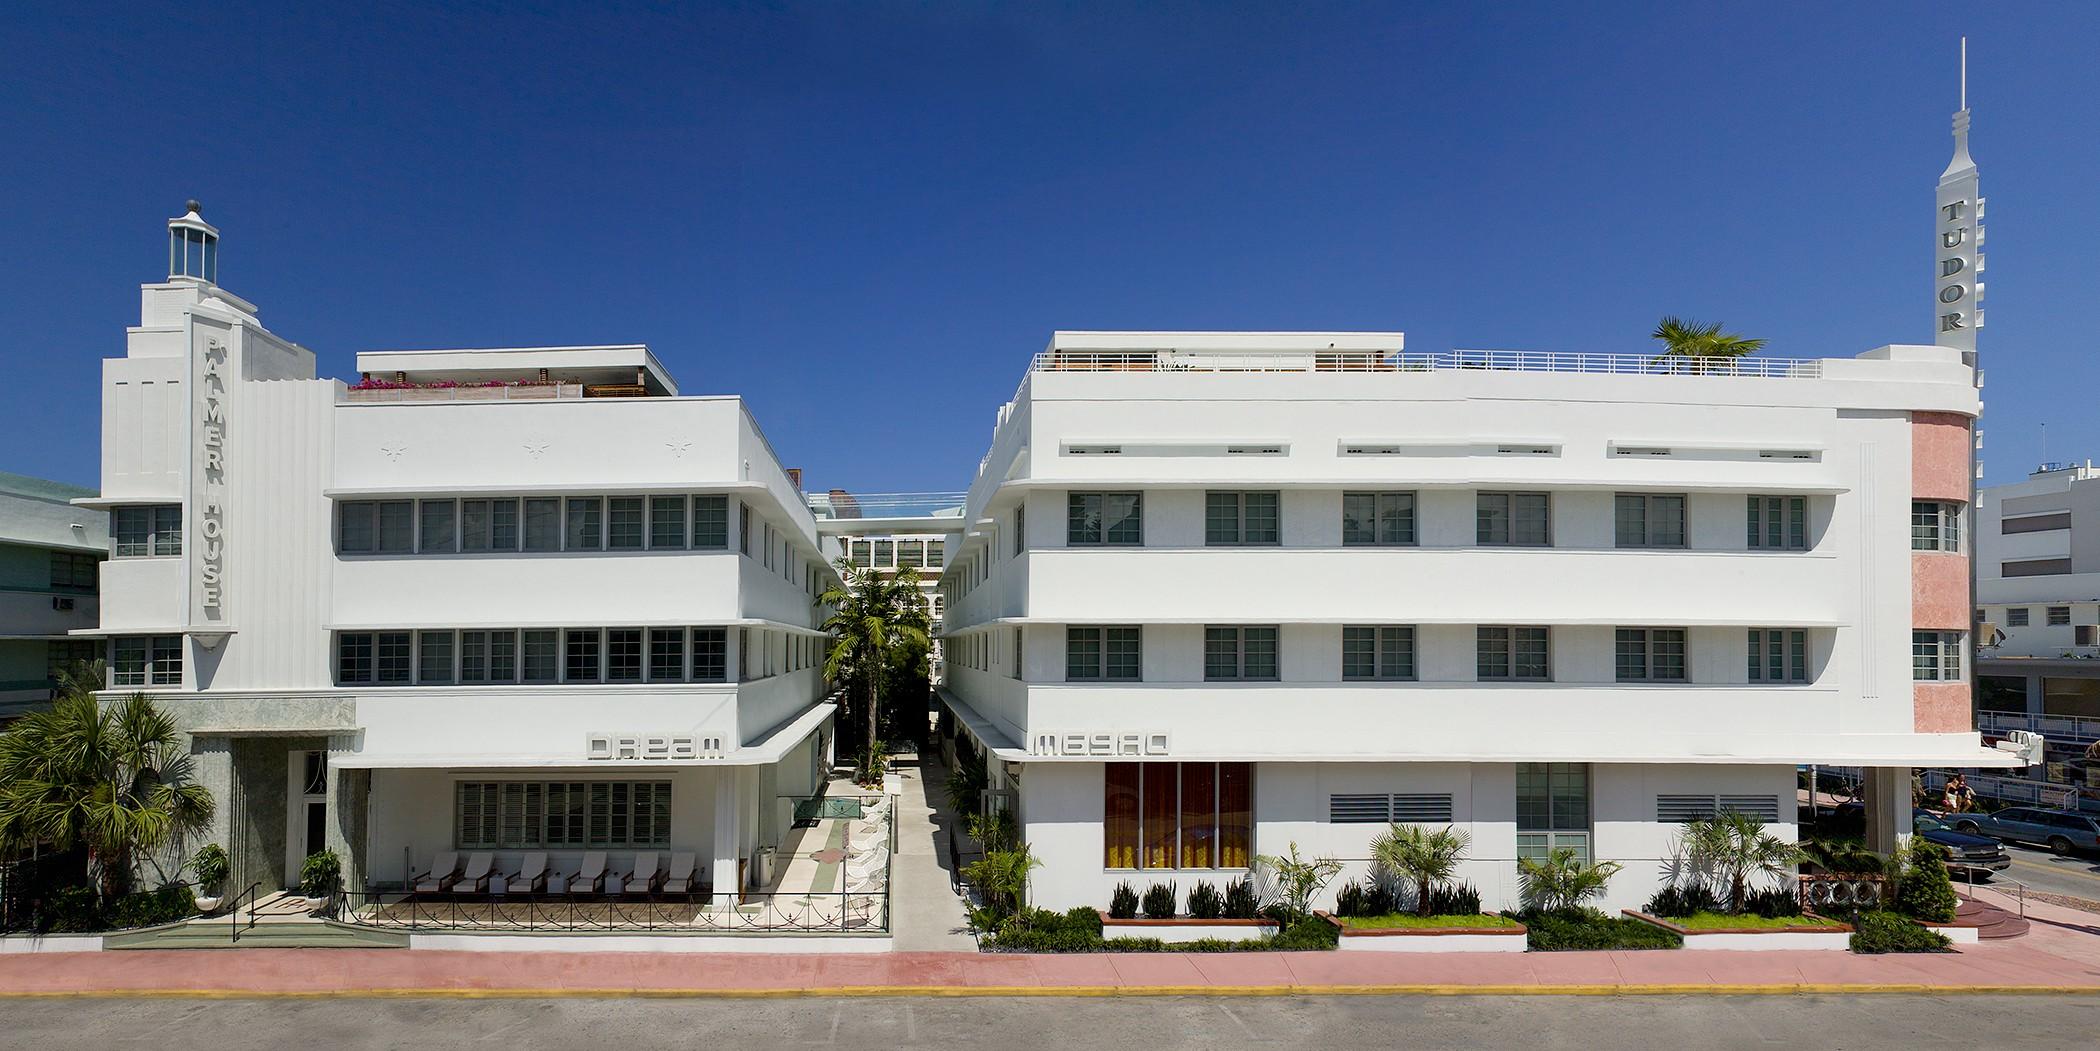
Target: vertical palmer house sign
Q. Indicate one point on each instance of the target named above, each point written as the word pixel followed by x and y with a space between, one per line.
pixel 211 508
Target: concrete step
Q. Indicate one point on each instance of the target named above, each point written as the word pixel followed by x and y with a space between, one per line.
pixel 218 934
pixel 1991 922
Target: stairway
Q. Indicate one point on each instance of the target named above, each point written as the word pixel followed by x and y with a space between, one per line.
pixel 1990 921
pixel 217 933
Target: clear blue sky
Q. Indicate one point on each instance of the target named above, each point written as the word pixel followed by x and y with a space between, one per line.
pixel 864 218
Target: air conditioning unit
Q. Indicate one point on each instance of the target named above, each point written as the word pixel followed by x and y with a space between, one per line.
pixel 62 603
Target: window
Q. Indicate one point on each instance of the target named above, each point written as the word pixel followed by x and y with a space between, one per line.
pixel 393 657
pixel 1511 653
pixel 666 654
pixel 1110 654
pixel 1378 652
pixel 623 654
pixel 492 815
pixel 1231 653
pixel 1094 519
pixel 1778 523
pixel 2035 523
pixel 933 556
pixel 586 527
pixel 543 524
pixel 2033 567
pixel 146 660
pixel 1935 525
pixel 1177 815
pixel 1241 518
pixel 1412 808
pixel 1553 810
pixel 353 657
pixel 667 521
pixel 542 650
pixel 1378 519
pixel 439 525
pixel 1651 655
pixel 141 532
pixel 1513 519
pixel 488 656
pixel 743 528
pixel 434 657
pixel 743 655
pixel 2016 617
pixel 580 657
pixel 885 554
pixel 73 570
pixel 1778 655
pixel 936 552
pixel 488 525
pixel 1935 656
pixel 710 655
pixel 711 522
pixel 2059 616
pixel 1017 653
pixel 1648 520
pixel 385 527
pixel 623 523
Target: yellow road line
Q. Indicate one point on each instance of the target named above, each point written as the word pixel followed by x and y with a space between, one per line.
pixel 949 991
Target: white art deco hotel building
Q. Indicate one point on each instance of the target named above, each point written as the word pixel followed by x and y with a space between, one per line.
pixel 513 600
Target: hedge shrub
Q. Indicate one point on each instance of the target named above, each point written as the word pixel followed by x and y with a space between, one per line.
pixel 1588 929
pixel 1878 932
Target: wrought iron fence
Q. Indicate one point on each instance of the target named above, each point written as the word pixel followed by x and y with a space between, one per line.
pixel 1832 892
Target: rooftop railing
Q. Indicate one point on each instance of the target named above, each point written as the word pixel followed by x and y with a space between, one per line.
pixel 1218 361
pixel 885 505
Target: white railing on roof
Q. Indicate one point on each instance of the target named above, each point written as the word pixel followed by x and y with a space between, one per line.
pixel 885 505
pixel 1219 361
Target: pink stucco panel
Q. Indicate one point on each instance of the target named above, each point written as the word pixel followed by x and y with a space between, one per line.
pixel 1941 456
pixel 1941 707
pixel 1939 590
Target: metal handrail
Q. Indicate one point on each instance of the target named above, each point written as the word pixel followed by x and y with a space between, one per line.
pixel 1968 876
pixel 235 914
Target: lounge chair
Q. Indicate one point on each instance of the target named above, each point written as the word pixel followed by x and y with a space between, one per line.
pixel 531 877
pixel 438 878
pixel 475 878
pixel 589 877
pixel 647 870
pixel 680 878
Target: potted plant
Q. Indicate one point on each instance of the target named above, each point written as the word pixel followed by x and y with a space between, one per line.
pixel 211 867
pixel 319 878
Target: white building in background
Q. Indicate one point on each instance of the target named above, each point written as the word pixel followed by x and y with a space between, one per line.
pixel 511 600
pixel 50 557
pixel 891 532
pixel 2038 598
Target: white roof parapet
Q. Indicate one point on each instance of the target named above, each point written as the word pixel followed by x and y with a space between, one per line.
pixel 606 363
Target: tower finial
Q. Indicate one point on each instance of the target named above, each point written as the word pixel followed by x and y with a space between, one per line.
pixel 1957 282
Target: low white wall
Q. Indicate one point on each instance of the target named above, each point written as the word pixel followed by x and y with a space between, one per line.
pixel 26 943
pixel 1186 932
pixel 1770 940
pixel 1433 943
pixel 766 943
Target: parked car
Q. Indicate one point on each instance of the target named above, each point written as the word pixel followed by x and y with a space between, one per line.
pixel 1976 854
pixel 2062 831
pixel 1970 852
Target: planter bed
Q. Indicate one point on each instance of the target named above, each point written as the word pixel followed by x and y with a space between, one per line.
pixel 1716 931
pixel 1957 932
pixel 1484 932
pixel 1188 929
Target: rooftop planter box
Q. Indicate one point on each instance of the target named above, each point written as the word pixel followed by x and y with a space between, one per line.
pixel 1716 931
pixel 463 392
pixel 1486 932
pixel 1187 928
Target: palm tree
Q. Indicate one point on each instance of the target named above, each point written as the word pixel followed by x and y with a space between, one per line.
pixel 110 779
pixel 1562 881
pixel 1735 847
pixel 876 621
pixel 1682 338
pixel 1424 857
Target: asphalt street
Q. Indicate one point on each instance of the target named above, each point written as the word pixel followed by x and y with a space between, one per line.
pixel 2077 876
pixel 1687 1023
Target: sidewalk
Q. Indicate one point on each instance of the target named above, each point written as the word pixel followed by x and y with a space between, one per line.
pixel 2063 954
pixel 925 912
